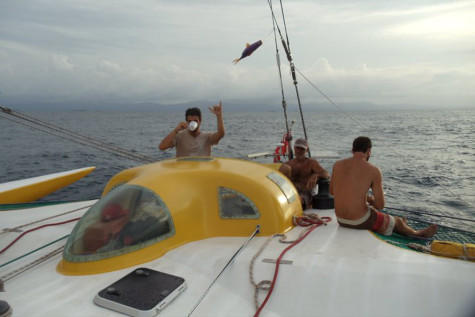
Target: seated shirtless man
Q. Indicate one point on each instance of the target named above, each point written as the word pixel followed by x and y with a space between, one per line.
pixel 303 172
pixel 351 179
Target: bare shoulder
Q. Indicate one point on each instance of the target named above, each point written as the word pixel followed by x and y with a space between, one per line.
pixel 289 162
pixel 373 167
pixel 314 162
pixel 341 163
pixel 374 171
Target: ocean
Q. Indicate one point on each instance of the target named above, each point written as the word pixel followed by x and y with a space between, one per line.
pixel 427 157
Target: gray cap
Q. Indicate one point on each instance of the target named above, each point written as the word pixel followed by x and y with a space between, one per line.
pixel 301 143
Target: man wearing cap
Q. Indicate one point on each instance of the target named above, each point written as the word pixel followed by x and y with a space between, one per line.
pixel 304 172
pixel 187 137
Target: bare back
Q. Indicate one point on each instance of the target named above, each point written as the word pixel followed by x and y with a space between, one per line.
pixel 351 179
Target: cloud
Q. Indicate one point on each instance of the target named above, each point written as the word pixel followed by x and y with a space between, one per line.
pixel 417 84
pixel 170 52
pixel 61 62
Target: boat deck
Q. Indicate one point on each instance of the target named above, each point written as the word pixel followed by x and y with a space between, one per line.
pixel 335 271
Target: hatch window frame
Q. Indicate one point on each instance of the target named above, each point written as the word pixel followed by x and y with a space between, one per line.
pixel 284 185
pixel 162 214
pixel 229 193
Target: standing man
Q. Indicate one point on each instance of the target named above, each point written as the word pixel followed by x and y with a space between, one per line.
pixel 354 208
pixel 304 172
pixel 188 138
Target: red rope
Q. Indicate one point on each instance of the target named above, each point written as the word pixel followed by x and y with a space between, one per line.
pixel 315 225
pixel 34 229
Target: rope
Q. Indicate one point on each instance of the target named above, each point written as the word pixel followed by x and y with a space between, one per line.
pixel 263 285
pixel 30 265
pixel 41 259
pixel 33 251
pixel 34 229
pixel 51 129
pixel 225 267
pixel 16 229
pixel 311 222
pixel 428 249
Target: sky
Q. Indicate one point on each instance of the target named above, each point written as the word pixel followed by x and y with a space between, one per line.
pixel 407 53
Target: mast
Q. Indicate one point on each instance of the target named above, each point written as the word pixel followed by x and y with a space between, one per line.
pixel 292 69
pixel 284 103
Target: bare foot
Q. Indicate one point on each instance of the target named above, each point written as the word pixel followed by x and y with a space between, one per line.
pixel 427 232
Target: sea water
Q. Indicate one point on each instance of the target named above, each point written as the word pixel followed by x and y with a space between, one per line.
pixel 427 157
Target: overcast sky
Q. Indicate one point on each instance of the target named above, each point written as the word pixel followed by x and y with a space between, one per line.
pixel 407 52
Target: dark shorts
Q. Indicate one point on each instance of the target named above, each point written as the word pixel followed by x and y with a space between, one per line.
pixel 373 220
pixel 306 199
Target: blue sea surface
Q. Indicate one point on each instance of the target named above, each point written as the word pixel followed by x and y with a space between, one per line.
pixel 427 157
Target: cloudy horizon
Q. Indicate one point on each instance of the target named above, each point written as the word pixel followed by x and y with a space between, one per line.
pixel 416 53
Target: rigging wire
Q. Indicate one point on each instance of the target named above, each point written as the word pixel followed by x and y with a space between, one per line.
pixel 361 125
pixel 430 214
pixel 284 102
pixel 51 129
pixel 257 231
pixel 292 66
pixel 104 149
pixel 285 24
pixel 30 265
pixel 17 229
pixel 418 219
pixel 33 251
pixel 88 141
pixel 293 69
pixel 37 228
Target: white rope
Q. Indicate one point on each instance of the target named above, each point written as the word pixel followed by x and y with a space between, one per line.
pixel 264 285
pixel 30 265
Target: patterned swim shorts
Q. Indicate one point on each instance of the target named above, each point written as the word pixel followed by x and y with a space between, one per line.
pixel 373 220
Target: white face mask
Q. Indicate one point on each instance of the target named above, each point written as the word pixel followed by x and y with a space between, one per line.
pixel 192 126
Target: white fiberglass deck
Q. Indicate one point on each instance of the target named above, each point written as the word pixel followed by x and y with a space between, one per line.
pixel 334 272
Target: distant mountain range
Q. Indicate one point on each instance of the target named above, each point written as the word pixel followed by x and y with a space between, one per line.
pixel 229 106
